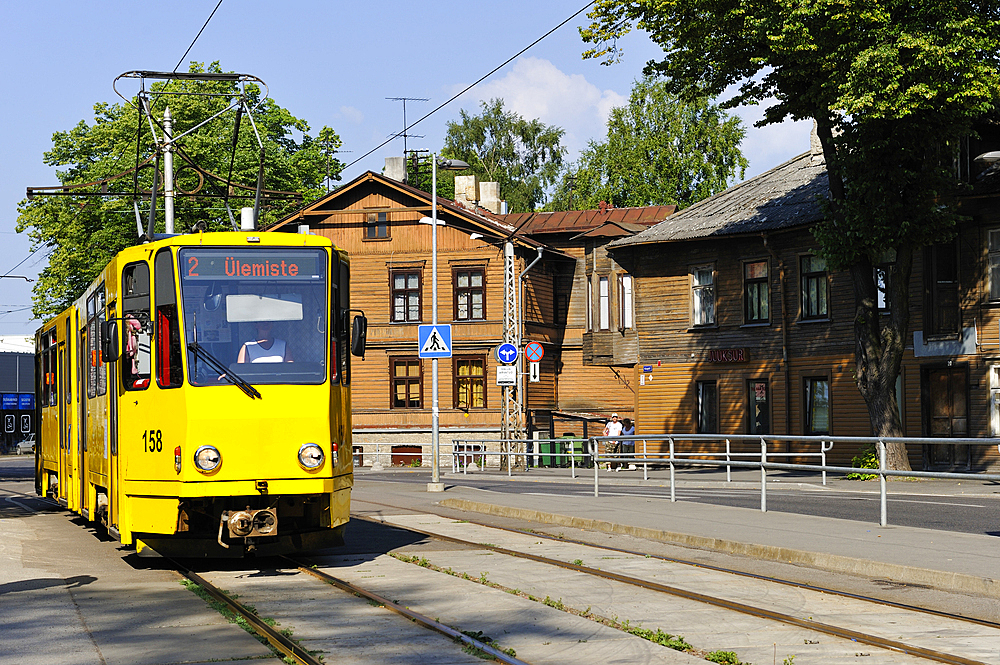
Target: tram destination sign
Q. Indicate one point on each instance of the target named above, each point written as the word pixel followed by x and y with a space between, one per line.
pixel 280 264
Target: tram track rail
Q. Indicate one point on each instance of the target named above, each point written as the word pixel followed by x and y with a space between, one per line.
pixel 288 648
pixel 414 616
pixel 743 608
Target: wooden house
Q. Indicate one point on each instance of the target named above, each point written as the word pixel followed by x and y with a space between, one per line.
pixel 377 219
pixel 743 329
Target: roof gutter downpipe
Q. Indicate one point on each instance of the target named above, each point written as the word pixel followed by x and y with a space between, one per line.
pixel 784 335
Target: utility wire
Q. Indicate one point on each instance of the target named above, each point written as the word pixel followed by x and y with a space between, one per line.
pixel 30 254
pixel 198 35
pixel 471 86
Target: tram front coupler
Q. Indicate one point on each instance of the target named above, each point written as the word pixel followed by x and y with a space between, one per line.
pixel 247 524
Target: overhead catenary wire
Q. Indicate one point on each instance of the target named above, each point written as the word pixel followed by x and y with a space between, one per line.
pixel 198 35
pixel 472 85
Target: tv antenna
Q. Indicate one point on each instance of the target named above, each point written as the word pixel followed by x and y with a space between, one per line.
pixel 405 126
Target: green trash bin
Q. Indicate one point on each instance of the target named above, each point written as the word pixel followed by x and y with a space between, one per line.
pixel 579 450
pixel 546 448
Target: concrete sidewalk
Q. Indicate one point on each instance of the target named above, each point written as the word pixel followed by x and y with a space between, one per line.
pixel 950 561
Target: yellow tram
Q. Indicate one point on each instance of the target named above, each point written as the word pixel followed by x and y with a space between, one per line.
pixel 196 398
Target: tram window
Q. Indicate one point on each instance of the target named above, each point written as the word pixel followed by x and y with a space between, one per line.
pixel 344 329
pixel 46 369
pixel 65 366
pixel 53 364
pixel 272 302
pixel 169 373
pixel 135 363
pixel 92 346
pixel 102 368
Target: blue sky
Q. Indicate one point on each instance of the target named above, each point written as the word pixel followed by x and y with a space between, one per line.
pixel 330 63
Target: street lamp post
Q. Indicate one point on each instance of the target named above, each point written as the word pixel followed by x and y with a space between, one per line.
pixel 452 165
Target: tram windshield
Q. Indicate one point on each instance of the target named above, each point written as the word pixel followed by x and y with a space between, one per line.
pixel 261 313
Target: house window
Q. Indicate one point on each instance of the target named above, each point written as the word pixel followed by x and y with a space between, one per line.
pixel 406 383
pixel 994 259
pixel 605 304
pixel 590 305
pixel 470 305
pixel 755 292
pixel 377 226
pixel 405 296
pixel 941 290
pixel 470 382
pixel 703 295
pixel 814 288
pixel 758 407
pixel 817 405
pixel 882 273
pixel 882 287
pixel 708 408
pixel 625 306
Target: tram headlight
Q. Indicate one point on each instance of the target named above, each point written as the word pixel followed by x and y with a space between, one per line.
pixel 207 458
pixel 311 456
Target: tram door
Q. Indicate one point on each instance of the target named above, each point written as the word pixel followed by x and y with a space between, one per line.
pixel 80 460
pixel 113 390
pixel 66 419
pixel 63 384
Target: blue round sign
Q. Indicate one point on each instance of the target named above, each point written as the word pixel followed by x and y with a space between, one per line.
pixel 506 353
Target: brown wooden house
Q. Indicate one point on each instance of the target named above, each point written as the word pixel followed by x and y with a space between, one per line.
pixel 743 329
pixel 377 219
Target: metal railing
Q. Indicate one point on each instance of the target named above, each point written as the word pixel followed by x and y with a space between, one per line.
pixel 705 458
pixel 466 451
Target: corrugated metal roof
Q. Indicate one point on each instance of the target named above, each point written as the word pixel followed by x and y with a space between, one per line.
pixel 786 196
pixel 532 223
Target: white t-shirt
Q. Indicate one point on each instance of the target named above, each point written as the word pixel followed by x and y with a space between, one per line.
pixel 276 354
pixel 613 428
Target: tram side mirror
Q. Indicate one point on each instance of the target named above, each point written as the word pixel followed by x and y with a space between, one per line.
pixel 109 341
pixel 359 336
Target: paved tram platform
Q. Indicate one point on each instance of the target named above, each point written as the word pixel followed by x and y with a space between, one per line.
pixel 946 560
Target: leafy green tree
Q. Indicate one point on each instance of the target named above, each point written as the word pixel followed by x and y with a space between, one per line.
pixel 659 150
pixel 893 87
pixel 523 156
pixel 84 232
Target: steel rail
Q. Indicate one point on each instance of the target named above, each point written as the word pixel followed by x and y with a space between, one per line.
pixel 719 569
pixel 837 631
pixel 279 642
pixel 414 616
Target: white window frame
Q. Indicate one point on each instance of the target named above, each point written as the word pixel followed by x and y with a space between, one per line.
pixel 699 315
pixel 993 269
pixel 626 309
pixel 604 302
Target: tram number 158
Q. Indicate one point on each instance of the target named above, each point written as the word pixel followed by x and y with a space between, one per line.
pixel 152 441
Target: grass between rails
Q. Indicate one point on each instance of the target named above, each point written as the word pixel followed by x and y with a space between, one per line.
pixel 657 636
pixel 240 621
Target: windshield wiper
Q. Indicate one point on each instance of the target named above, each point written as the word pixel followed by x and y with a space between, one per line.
pixel 216 364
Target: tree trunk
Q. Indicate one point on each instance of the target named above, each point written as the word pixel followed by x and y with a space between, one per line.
pixel 879 343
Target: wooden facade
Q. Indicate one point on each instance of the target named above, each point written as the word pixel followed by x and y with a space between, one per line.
pixel 377 220
pixel 742 329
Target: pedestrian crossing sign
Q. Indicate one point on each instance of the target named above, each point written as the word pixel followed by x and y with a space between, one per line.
pixel 434 341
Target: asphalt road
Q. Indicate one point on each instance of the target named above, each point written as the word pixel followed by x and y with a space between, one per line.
pixel 967 513
pixel 977 513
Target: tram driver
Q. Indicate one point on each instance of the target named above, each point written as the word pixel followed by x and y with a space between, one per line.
pixel 265 348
